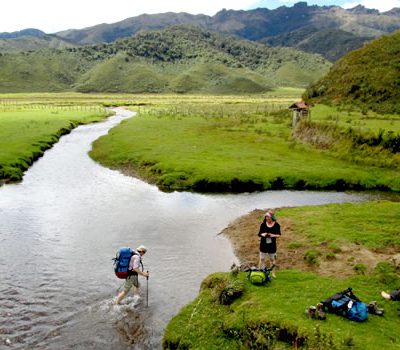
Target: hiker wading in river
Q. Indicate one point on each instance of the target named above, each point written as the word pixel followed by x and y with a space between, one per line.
pixel 134 271
pixel 269 231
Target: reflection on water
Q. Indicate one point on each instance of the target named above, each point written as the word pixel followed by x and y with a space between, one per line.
pixel 61 226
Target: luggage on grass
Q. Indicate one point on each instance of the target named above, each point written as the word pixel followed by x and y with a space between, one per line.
pixel 346 304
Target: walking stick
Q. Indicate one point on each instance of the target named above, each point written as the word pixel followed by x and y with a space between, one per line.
pixel 147 290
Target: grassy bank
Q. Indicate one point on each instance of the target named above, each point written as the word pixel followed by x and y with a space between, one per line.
pixel 231 145
pixel 28 128
pixel 272 316
pixel 364 138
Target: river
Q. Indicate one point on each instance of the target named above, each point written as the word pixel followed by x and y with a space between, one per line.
pixel 61 226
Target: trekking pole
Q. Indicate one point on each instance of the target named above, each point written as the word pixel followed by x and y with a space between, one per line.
pixel 147 290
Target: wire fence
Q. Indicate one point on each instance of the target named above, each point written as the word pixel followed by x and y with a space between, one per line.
pixel 9 105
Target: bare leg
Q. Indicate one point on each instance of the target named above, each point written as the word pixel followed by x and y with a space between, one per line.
pixel 136 291
pixel 261 263
pixel 120 297
pixel 273 261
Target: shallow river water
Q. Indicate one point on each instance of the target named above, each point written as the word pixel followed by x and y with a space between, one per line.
pixel 60 227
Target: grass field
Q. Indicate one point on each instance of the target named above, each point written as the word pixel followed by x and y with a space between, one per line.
pixel 225 144
pixel 368 121
pixel 31 122
pixel 205 143
pixel 28 128
pixel 273 315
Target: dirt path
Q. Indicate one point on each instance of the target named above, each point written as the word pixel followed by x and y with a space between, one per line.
pixel 243 235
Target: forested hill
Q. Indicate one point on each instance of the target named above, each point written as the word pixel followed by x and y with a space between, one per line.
pixel 177 59
pixel 369 77
pixel 328 30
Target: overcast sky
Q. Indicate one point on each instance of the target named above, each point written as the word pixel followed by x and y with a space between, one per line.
pixel 52 16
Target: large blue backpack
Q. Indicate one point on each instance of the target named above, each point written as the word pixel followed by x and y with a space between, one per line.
pixel 346 304
pixel 121 262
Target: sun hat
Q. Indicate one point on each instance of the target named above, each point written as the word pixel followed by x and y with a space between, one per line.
pixel 270 214
pixel 141 248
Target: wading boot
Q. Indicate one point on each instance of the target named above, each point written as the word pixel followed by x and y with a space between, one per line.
pixel 374 309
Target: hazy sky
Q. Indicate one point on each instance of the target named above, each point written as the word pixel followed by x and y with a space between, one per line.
pixel 52 16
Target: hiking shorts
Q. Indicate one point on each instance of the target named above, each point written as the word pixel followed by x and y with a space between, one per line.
pixel 131 281
pixel 263 255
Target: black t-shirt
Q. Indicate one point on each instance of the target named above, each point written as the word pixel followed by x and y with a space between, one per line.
pixel 268 247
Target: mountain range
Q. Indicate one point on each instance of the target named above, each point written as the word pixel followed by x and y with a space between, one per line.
pixel 177 59
pixel 327 30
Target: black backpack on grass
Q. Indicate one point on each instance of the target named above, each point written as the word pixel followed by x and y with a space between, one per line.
pixel 346 304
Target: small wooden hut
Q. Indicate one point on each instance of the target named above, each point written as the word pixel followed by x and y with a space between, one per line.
pixel 299 110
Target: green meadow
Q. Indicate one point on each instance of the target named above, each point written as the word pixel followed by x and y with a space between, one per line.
pixel 366 121
pixel 237 144
pixel 272 316
pixel 28 127
pixel 348 223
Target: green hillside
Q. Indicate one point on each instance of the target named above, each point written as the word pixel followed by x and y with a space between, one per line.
pixel 368 77
pixel 44 70
pixel 178 59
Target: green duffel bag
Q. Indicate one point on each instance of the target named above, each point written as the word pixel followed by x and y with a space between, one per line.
pixel 257 277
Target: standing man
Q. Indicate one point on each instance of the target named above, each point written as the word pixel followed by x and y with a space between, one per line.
pixel 269 231
pixel 134 272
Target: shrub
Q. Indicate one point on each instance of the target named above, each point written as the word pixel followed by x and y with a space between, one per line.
pixel 330 256
pixel 360 269
pixel 228 290
pixel 311 257
pixel 295 245
pixel 212 281
pixel 335 248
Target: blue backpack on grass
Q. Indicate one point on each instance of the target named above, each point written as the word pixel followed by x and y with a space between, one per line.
pixel 346 304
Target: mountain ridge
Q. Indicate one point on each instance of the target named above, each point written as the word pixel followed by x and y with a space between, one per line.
pixel 356 26
pixel 178 59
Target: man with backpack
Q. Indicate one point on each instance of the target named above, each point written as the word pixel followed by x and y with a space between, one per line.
pixel 133 273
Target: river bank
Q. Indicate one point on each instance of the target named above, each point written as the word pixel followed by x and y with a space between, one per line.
pixel 226 147
pixel 26 132
pixel 330 250
pixel 322 250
